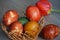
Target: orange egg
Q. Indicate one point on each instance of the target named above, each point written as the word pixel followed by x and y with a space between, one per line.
pixel 32 28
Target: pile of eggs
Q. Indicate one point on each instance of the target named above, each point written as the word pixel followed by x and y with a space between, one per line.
pixel 30 23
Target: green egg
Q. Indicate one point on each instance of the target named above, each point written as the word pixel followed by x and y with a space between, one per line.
pixel 23 20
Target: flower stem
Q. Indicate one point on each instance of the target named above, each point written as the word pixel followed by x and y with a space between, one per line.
pixel 54 10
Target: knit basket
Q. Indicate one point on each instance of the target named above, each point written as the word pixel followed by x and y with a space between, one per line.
pixel 23 36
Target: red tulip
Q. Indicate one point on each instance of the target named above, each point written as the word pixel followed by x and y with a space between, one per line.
pixel 43 0
pixel 44 7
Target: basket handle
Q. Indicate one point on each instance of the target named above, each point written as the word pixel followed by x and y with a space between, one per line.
pixel 4 28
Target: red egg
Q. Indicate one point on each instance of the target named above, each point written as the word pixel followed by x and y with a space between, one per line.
pixel 9 17
pixel 50 31
pixel 33 13
pixel 16 27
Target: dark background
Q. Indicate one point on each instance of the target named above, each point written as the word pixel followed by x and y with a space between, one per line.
pixel 20 7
